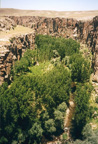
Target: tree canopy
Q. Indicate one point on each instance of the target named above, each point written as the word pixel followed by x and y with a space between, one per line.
pixel 34 104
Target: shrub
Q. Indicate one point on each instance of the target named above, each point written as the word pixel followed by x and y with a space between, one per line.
pixel 64 136
pixel 50 126
pixel 62 108
pixel 35 133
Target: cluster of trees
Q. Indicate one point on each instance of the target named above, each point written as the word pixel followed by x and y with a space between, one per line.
pixel 82 110
pixel 23 65
pixel 89 136
pixel 33 106
pixel 46 44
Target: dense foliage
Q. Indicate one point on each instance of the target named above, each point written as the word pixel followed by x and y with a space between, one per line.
pixel 82 109
pixel 47 44
pixel 28 99
pixel 23 65
pixel 89 136
pixel 80 68
pixel 34 104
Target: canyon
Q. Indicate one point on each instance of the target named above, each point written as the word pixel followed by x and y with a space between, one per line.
pixel 85 32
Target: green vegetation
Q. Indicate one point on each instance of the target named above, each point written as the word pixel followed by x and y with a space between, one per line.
pixel 34 105
pixel 89 136
pixel 82 110
pixel 79 68
pixel 46 46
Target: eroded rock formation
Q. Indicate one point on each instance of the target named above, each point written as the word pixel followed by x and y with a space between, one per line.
pixel 6 23
pixel 12 52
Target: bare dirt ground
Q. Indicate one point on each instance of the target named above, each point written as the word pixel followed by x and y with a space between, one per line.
pixel 79 15
pixel 5 36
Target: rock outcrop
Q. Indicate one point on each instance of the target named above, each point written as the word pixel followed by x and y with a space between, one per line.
pixel 6 23
pixel 12 52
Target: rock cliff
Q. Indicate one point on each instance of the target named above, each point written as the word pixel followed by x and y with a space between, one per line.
pixel 6 23
pixel 12 52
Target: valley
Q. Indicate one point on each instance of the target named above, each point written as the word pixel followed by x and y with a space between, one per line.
pixel 48 77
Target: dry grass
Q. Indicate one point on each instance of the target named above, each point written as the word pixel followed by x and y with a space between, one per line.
pixel 80 15
pixel 18 30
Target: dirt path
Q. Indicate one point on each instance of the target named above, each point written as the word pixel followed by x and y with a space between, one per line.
pixel 69 112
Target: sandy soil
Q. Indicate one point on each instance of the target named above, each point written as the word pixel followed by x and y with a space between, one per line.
pixel 17 31
pixel 80 15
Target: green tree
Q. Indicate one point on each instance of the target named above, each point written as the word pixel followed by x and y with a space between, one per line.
pixel 82 109
pixel 47 44
pixel 35 133
pixel 80 68
pixel 50 126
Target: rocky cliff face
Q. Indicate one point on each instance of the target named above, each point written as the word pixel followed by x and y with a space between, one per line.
pixel 52 26
pixel 6 23
pixel 68 28
pixel 86 32
pixel 12 52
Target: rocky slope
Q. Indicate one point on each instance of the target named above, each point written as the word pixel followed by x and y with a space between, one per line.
pixel 12 52
pixel 6 24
